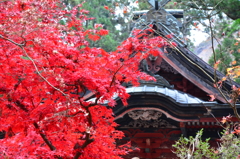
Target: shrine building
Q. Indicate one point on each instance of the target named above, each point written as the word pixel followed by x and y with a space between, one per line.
pixel 178 103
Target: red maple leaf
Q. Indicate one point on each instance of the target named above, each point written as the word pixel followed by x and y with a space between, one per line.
pixel 212 98
pixel 106 7
pixel 46 71
pixel 169 36
pixel 103 32
pixel 93 37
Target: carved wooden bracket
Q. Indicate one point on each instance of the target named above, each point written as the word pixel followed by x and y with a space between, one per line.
pixel 144 114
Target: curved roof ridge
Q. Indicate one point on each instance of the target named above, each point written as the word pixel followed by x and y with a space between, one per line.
pixel 170 93
pixel 176 95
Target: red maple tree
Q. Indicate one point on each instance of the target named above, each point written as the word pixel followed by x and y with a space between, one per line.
pixel 46 71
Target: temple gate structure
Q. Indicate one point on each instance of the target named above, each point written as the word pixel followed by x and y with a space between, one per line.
pixel 177 104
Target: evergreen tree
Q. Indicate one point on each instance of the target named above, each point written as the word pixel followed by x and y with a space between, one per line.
pixel 229 7
pixel 228 54
pixel 112 14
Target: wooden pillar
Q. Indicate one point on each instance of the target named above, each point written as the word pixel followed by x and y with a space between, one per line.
pixel 183 129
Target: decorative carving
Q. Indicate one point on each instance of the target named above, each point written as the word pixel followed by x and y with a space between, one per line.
pixel 153 64
pixel 160 123
pixel 140 23
pixel 168 68
pixel 145 114
pixel 147 118
pixel 164 19
pixel 144 67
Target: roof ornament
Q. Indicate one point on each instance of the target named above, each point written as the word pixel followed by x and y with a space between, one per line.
pixel 166 24
pixel 156 4
pixel 163 19
pixel 142 22
pixel 151 65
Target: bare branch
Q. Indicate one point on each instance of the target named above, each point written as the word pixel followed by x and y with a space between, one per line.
pixel 232 105
pixel 12 41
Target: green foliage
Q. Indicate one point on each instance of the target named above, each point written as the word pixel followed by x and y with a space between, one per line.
pixel 196 148
pixel 229 7
pixel 225 27
pixel 228 55
pixel 222 12
pixel 102 16
pixel 25 57
pixel 235 26
pixel 143 5
pixel 107 42
pixel 109 17
pixel 230 146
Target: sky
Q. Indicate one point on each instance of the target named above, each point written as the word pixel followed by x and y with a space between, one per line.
pixel 198 36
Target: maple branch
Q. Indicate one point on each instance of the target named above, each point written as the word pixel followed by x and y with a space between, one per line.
pixel 88 140
pixel 209 112
pixel 232 105
pixel 95 103
pixel 215 7
pixel 12 41
pixel 34 64
pixel 114 75
pixel 44 137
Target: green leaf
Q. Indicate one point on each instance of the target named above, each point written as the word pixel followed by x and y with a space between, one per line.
pixel 25 57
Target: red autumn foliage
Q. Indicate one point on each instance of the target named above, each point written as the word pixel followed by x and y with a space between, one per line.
pixel 169 36
pixel 212 98
pixel 106 7
pixel 47 69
